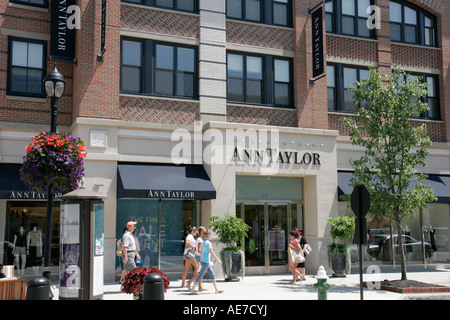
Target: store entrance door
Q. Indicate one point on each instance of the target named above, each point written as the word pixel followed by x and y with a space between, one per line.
pixel 266 245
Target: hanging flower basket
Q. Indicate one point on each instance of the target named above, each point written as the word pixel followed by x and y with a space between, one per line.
pixel 134 280
pixel 53 159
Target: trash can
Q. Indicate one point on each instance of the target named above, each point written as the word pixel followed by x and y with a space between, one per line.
pixel 153 287
pixel 38 289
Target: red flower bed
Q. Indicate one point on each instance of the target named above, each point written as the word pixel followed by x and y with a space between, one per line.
pixel 134 280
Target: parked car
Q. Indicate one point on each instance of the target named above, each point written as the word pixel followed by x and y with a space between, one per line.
pixel 376 245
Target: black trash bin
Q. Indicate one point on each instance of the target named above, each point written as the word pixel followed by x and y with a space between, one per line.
pixel 38 289
pixel 153 287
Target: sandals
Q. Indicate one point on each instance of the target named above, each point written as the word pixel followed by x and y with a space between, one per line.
pixel 219 291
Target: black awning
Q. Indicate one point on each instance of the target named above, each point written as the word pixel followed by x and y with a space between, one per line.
pixel 439 183
pixel 164 181
pixel 10 182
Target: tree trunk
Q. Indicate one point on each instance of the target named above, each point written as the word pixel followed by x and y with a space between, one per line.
pixel 400 245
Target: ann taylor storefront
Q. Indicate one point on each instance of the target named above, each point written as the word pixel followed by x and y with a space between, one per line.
pixel 275 179
pixel 270 177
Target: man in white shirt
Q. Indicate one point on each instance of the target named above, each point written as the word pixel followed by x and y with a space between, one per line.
pixel 129 248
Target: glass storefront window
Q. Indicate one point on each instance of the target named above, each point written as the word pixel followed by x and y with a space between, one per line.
pixel 168 246
pixel 23 235
pixel 425 238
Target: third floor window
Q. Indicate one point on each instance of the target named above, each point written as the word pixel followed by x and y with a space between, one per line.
pixel 275 12
pixel 348 17
pixel 412 25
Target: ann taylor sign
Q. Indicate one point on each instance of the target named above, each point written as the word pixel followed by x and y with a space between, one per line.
pixel 270 155
pixel 62 36
pixel 317 42
pixel 169 194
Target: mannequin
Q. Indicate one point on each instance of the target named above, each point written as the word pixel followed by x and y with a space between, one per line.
pixel 19 249
pixel 34 246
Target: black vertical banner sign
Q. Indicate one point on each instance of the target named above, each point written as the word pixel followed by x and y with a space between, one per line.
pixel 317 42
pixel 103 34
pixel 62 39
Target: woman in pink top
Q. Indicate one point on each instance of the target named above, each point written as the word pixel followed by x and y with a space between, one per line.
pixel 294 244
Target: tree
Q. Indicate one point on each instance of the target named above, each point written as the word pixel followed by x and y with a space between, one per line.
pixel 394 148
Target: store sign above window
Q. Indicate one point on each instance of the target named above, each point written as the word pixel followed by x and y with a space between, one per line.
pixel 169 194
pixel 25 195
pixel 276 156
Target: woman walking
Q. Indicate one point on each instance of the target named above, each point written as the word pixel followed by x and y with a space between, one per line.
pixel 190 243
pixel 205 262
pixel 198 252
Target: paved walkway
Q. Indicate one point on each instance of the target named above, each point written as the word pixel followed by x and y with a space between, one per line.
pixel 278 287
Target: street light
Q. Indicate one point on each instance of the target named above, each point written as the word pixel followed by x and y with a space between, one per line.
pixel 54 84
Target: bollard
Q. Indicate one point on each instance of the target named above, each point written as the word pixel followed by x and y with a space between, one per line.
pixel 322 286
pixel 153 287
pixel 38 289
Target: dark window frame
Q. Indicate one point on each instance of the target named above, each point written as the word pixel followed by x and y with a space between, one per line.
pixel 266 14
pixel 9 90
pixel 152 3
pixel 28 3
pixel 268 80
pixel 421 28
pixel 339 89
pixel 437 112
pixel 148 68
pixel 336 17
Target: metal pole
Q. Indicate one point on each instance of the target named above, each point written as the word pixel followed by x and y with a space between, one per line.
pixel 361 235
pixel 48 240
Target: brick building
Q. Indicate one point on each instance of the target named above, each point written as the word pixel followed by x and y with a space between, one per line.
pixel 223 89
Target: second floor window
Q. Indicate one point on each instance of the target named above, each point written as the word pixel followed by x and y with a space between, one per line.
pixel 26 67
pixel 158 68
pixel 432 96
pixel 276 12
pixel 340 78
pixel 261 80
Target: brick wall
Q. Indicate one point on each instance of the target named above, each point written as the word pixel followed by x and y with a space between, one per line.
pixel 93 86
pixel 29 24
pixel 387 54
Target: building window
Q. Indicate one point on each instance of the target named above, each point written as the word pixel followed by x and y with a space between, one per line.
pixel 26 67
pixel 34 3
pixel 262 80
pixel 340 79
pixel 432 96
pixel 158 68
pixel 348 17
pixel 412 25
pixel 276 12
pixel 172 217
pixel 181 5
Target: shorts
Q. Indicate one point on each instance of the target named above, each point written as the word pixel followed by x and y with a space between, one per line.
pixel 131 264
pixel 20 251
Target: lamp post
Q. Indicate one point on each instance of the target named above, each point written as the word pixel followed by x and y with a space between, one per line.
pixel 54 84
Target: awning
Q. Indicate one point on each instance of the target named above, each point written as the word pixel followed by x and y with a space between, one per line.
pixel 10 183
pixel 163 181
pixel 439 183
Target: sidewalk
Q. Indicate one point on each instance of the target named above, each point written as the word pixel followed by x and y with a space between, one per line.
pixel 278 287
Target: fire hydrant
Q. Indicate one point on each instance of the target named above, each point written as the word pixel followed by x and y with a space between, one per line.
pixel 322 286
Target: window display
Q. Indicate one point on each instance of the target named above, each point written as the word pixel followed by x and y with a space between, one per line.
pixel 23 235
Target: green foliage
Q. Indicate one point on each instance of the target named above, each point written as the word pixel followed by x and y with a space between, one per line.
pixel 394 146
pixel 230 229
pixel 341 228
